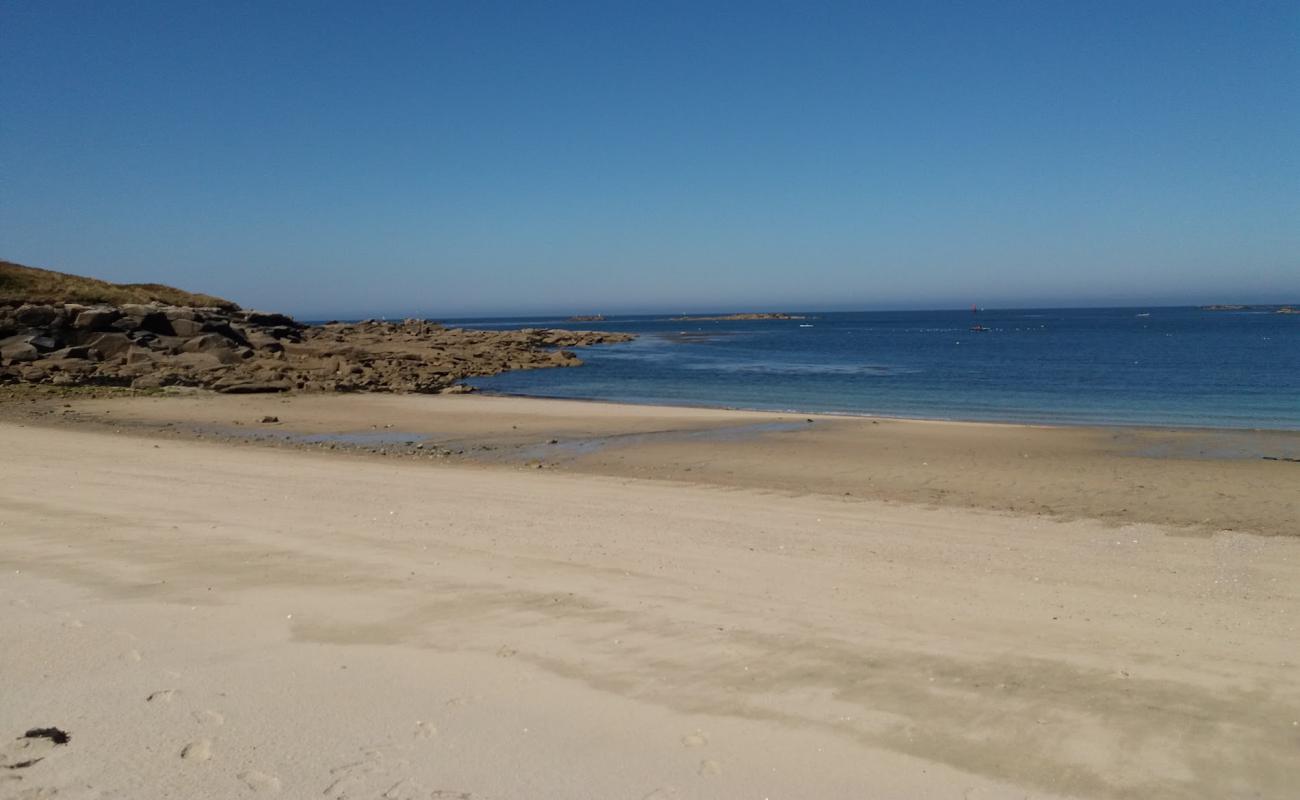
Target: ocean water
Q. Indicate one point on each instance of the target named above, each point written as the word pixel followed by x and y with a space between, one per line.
pixel 1157 366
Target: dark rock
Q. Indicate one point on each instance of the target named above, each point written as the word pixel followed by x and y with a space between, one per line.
pixel 226 331
pixel 253 386
pixel 45 342
pixel 266 319
pixel 152 322
pixel 284 332
pixel 37 316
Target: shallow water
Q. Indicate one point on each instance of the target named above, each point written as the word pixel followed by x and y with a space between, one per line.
pixel 577 447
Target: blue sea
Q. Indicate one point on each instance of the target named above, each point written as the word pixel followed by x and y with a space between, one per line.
pixel 1155 366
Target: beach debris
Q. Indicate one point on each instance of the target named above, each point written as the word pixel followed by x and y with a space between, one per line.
pixel 268 420
pixel 53 734
pixel 32 747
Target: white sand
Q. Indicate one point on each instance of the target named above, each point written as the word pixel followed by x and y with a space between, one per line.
pixel 341 627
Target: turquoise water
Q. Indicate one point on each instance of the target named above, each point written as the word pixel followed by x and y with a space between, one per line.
pixel 1157 366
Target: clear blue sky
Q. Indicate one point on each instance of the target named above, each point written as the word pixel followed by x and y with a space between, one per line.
pixel 478 158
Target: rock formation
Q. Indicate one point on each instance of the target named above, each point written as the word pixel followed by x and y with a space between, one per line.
pixel 231 350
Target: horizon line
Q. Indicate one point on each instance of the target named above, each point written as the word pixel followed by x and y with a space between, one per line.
pixel 670 316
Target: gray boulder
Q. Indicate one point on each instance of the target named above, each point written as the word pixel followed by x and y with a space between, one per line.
pixel 19 351
pixel 111 345
pixel 77 353
pixel 186 327
pixel 96 319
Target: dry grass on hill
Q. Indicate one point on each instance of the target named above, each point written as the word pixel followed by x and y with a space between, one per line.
pixel 29 284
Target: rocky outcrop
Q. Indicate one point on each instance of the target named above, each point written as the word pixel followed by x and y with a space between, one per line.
pixel 1272 309
pixel 235 351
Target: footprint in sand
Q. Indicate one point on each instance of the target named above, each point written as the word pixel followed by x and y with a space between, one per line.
pixel 161 696
pixel 405 790
pixel 697 739
pixel 208 717
pixel 710 767
pixel 425 730
pixel 349 779
pixel 376 775
pixel 197 750
pixel 260 782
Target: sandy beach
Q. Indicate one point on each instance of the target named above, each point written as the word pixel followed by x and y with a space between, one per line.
pixel 649 401
pixel 214 618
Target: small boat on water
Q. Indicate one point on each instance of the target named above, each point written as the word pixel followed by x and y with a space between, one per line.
pixel 979 329
pixel 1145 314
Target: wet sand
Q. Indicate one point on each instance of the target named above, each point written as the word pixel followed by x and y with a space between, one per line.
pixel 207 618
pixel 1198 481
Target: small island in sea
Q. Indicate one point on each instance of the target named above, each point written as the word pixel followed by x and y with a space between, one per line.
pixel 1272 309
pixel 735 317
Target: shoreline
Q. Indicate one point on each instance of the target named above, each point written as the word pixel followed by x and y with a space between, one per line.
pixel 869 415
pixel 1198 480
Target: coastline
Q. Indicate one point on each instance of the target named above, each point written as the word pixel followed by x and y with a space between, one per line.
pixel 1013 422
pixel 1199 480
